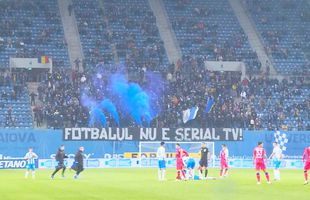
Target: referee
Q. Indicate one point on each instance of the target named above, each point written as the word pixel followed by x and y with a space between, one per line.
pixel 204 157
pixel 60 157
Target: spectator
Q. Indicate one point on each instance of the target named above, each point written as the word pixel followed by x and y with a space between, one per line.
pixel 33 98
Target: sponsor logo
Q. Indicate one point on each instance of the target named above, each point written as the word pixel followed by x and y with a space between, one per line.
pixel 109 156
pixel 71 156
pixel 14 164
pixel 153 155
pixel 93 163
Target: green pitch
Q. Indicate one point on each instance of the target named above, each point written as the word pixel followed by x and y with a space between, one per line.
pixel 142 184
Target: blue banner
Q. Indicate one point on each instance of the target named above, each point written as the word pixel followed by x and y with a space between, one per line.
pixel 15 143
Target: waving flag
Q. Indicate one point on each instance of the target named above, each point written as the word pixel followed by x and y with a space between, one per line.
pixel 190 114
pixel 281 139
pixel 210 104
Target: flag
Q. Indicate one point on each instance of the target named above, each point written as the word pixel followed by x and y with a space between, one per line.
pixel 281 139
pixel 210 104
pixel 190 114
pixel 43 59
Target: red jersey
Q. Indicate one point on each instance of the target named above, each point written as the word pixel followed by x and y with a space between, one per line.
pixel 306 155
pixel 259 154
pixel 224 155
pixel 181 153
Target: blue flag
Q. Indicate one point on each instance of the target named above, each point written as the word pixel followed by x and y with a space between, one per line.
pixel 210 104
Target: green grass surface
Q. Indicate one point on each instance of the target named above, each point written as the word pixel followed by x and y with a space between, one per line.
pixel 127 184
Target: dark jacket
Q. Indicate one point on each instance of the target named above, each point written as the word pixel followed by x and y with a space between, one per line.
pixel 60 156
pixel 79 157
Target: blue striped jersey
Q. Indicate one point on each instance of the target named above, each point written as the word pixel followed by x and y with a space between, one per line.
pixel 30 157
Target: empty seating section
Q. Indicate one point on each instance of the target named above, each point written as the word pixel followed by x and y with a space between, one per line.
pixel 31 29
pixel 284 26
pixel 210 29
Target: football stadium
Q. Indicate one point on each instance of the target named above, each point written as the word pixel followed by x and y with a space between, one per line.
pixel 154 99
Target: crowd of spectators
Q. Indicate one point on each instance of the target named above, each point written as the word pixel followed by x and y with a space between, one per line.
pixel 253 103
pixel 130 30
pixel 60 98
pixel 280 103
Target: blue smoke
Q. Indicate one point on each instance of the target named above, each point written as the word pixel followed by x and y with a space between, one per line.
pixel 96 110
pixel 133 100
pixel 118 95
pixel 97 115
pixel 110 107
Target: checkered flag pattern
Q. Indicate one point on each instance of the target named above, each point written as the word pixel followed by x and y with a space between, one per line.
pixel 281 139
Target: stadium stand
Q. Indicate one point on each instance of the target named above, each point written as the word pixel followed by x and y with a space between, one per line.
pixel 278 103
pixel 283 26
pixel 15 111
pixel 256 104
pixel 94 35
pixel 126 28
pixel 31 29
pixel 101 28
pixel 118 31
pixel 136 35
pixel 211 30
